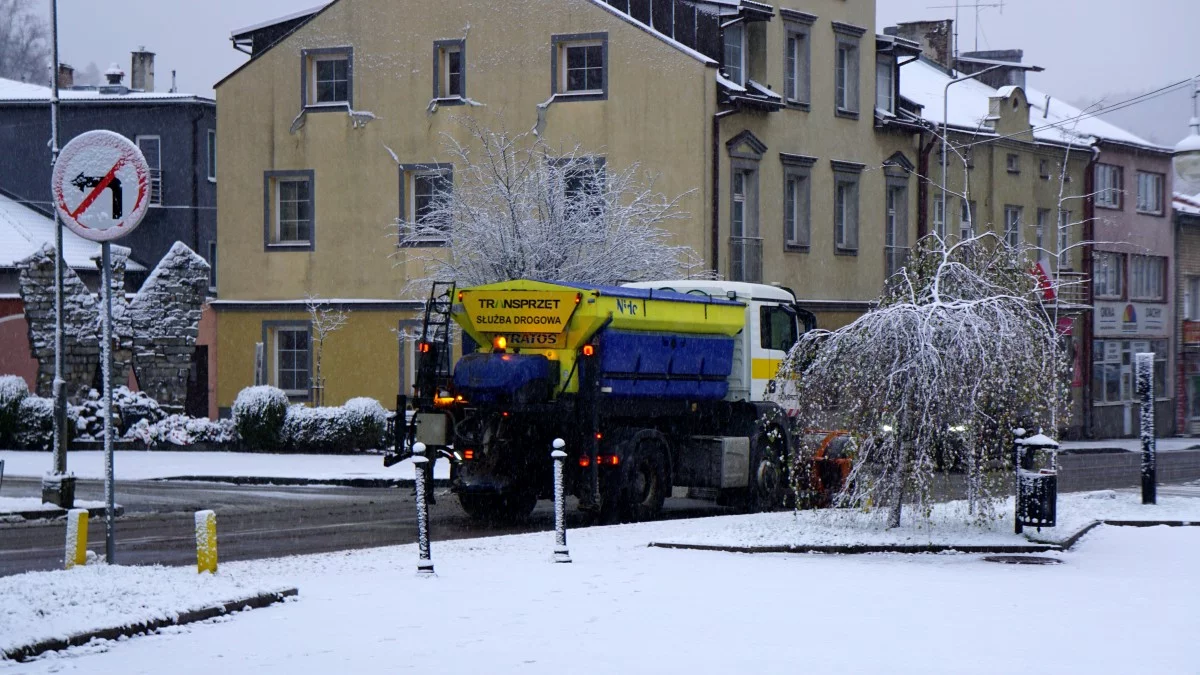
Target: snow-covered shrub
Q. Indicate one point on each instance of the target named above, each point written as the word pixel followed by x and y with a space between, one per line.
pixel 36 430
pixel 183 430
pixel 259 414
pixel 318 430
pixel 129 407
pixel 13 390
pixel 368 421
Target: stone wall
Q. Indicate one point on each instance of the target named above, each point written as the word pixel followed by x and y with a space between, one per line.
pixel 80 338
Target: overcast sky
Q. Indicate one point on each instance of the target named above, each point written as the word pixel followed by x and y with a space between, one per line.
pixel 1090 48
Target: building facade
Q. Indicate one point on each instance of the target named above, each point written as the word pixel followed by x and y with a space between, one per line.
pixel 1187 311
pixel 780 126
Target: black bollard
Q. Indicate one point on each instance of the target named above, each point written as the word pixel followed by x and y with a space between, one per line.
pixel 425 563
pixel 561 554
pixel 1145 389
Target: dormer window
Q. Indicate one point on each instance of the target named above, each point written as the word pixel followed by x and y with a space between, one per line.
pixel 735 53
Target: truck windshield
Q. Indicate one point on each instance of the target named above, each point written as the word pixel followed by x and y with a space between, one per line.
pixel 777 327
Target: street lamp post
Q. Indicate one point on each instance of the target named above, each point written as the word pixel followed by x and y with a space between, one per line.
pixel 946 132
pixel 1187 153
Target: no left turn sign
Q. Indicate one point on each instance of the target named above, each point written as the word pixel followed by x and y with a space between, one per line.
pixel 101 185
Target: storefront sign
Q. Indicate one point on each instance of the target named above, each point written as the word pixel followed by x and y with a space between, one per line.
pixel 1130 318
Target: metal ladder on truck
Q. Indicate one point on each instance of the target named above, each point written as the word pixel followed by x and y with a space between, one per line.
pixel 433 368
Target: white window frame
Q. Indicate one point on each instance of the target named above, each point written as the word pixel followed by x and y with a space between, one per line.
pixel 277 226
pixel 1147 275
pixel 1043 223
pixel 845 75
pixel 446 75
pixel 1150 193
pixel 797 65
pixel 1118 362
pixel 966 219
pixel 797 214
pixel 1012 224
pixel 276 333
pixel 1012 162
pixel 156 181
pixel 1191 298
pixel 1108 186
pixel 845 212
pixel 314 62
pixel 212 155
pixel 939 215
pixel 885 66
pixel 1108 275
pixel 734 52
pixel 411 175
pixel 1064 235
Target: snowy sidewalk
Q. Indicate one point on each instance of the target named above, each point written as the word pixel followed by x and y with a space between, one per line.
pixel 499 605
pixel 159 464
pixel 1170 444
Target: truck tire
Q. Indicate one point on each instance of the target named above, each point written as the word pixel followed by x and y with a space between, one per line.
pixel 644 481
pixel 489 508
pixel 769 484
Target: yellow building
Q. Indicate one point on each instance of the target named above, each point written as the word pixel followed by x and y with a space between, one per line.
pixel 781 124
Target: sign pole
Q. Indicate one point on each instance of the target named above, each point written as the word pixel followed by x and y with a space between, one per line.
pixel 1145 388
pixel 106 368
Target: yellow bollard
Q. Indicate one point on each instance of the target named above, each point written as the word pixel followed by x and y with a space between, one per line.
pixel 206 542
pixel 76 549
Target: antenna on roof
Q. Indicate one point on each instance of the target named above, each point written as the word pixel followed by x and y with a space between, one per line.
pixel 979 5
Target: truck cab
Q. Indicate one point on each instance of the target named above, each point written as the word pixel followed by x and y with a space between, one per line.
pixel 774 322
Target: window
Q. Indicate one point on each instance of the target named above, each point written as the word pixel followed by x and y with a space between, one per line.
pixel 290 356
pixel 289 212
pixel 846 77
pixel 1013 162
pixel 735 53
pixel 895 226
pixel 327 77
pixel 796 65
pixel 422 187
pixel 1191 299
pixel 213 266
pixel 583 185
pixel 1150 193
pixel 212 155
pixel 966 219
pixel 745 256
pixel 1108 274
pixel 885 84
pixel 845 212
pixel 1012 225
pixel 1043 222
pixel 1108 186
pixel 1147 278
pixel 1064 235
pixel 1044 168
pixel 797 214
pixel 939 215
pixel 1114 381
pixel 777 326
pixel 580 65
pixel 449 71
pixel 151 147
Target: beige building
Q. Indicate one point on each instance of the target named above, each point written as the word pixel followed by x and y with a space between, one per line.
pixel 783 124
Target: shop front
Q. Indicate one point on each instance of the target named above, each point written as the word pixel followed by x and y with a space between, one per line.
pixel 1121 330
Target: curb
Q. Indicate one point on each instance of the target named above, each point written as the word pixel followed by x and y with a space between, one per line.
pixel 336 482
pixel 855 549
pixel 26 652
pixel 94 512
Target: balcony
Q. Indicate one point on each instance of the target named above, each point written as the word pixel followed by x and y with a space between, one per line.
pixel 1069 295
pixel 745 259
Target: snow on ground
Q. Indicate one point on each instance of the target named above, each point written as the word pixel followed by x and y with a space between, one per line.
pixel 1134 444
pixel 150 464
pixel 1123 601
pixel 19 504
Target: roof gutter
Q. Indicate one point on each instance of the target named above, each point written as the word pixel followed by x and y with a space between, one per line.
pixel 716 188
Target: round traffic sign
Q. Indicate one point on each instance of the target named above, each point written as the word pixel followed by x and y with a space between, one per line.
pixel 101 185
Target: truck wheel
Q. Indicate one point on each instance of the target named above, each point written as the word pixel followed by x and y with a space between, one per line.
pixel 768 470
pixel 644 480
pixel 498 508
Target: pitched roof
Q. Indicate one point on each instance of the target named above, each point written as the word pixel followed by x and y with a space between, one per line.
pixel 24 231
pixel 1082 126
pixel 12 91
pixel 1189 204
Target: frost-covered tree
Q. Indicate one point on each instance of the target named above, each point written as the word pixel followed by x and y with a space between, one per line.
pixel 520 208
pixel 959 351
pixel 325 321
pixel 24 42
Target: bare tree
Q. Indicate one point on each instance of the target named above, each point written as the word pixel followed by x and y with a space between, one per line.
pixel 325 321
pixel 521 209
pixel 24 42
pixel 960 351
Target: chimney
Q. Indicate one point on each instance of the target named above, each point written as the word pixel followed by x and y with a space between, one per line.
pixel 114 75
pixel 66 76
pixel 935 37
pixel 141 70
pixel 973 62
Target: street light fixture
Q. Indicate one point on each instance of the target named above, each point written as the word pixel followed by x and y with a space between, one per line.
pixel 1187 153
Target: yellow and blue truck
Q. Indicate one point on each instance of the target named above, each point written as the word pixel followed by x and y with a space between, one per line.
pixel 652 385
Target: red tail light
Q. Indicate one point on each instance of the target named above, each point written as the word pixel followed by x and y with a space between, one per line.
pixel 468 454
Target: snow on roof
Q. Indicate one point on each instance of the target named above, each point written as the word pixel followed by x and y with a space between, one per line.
pixel 24 232
pixel 1087 129
pixel 925 84
pixel 12 91
pixel 279 19
pixel 1189 204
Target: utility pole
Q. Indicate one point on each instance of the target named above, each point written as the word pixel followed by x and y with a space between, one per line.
pixel 58 488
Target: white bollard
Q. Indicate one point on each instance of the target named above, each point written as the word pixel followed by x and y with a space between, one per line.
pixel 561 554
pixel 425 563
